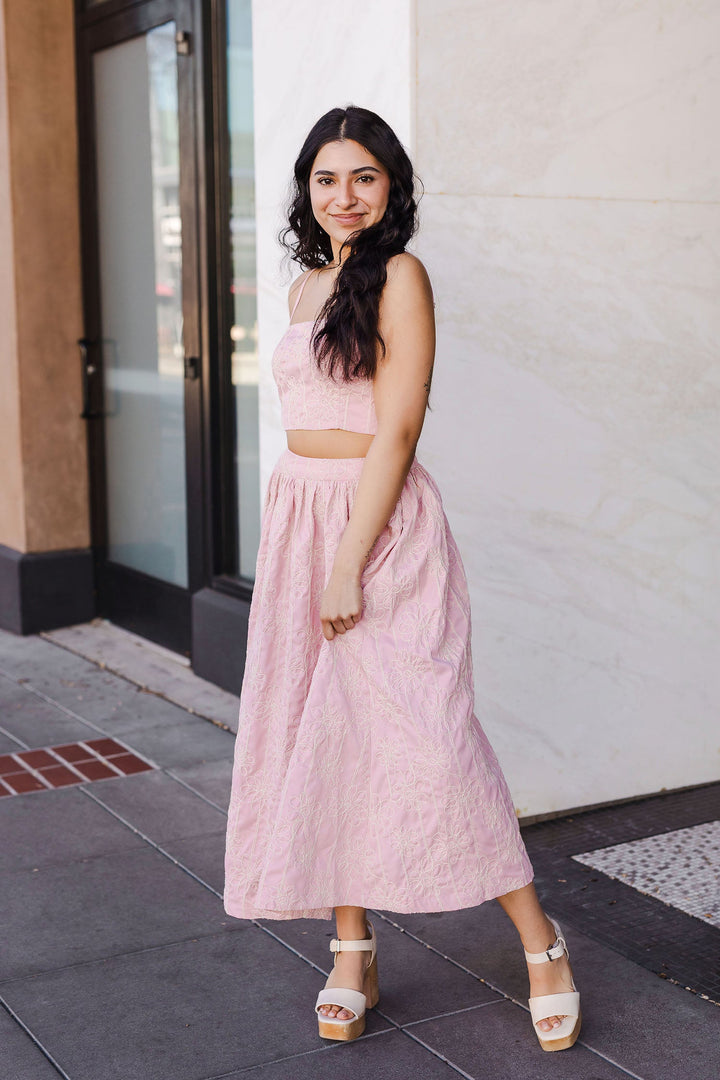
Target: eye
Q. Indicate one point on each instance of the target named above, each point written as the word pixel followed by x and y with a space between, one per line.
pixel 324 180
pixel 368 176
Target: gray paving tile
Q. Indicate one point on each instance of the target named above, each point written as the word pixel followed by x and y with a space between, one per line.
pixel 10 693
pixel 21 1058
pixel 159 806
pixel 98 907
pixel 140 709
pixel 42 663
pixel 481 938
pixel 46 828
pixel 37 722
pixel 10 690
pixel 22 654
pixel 9 745
pixel 203 1008
pixel 152 666
pixel 640 1020
pixel 194 741
pixel 389 1055
pixel 93 695
pixel 205 856
pixel 414 981
pixel 496 1042
pixel 89 691
pixel 626 1008
pixel 212 779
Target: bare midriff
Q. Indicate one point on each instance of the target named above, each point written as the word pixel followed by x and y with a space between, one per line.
pixel 329 443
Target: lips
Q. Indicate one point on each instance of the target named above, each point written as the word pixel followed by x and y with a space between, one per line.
pixel 347 219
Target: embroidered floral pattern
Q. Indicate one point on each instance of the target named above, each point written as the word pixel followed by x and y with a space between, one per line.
pixel 362 775
pixel 311 400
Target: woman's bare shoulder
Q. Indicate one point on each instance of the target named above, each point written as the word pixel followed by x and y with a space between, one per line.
pixel 407 280
pixel 295 285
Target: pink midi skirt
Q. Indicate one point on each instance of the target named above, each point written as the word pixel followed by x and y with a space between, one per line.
pixel 361 774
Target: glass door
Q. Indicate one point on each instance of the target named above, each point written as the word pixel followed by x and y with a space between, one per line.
pixel 142 362
pixel 140 247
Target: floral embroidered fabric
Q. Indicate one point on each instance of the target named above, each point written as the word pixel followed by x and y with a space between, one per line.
pixel 362 775
pixel 311 400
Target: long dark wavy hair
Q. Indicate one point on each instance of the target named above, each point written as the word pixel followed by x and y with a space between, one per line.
pixel 346 334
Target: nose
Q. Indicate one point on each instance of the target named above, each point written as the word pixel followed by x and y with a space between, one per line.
pixel 345 196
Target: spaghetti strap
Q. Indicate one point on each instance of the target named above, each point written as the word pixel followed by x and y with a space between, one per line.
pixel 300 292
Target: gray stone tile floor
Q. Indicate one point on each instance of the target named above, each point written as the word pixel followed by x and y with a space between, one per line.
pixel 119 962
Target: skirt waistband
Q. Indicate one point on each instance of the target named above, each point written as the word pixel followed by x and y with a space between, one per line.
pixel 317 468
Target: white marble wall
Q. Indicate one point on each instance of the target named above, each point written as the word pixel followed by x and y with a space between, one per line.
pixel 571 228
pixel 310 56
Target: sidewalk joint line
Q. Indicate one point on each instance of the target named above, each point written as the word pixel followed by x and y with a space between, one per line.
pixel 128 954
pixel 293 1057
pixel 46 1053
pixel 491 986
pixel 15 738
pixel 184 783
pixel 312 964
pixel 57 704
pixel 143 836
pixel 437 1054
pixel 454 1012
pixel 444 956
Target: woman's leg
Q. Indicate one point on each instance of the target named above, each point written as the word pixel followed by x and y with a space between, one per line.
pixel 349 970
pixel 537 934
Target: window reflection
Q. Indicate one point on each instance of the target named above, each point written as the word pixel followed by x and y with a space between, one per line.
pixel 243 333
pixel 136 133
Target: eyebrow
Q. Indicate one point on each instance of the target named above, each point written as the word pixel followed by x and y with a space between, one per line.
pixel 363 168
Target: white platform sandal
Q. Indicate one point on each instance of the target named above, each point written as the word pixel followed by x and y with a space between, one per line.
pixel 352 1000
pixel 566 1005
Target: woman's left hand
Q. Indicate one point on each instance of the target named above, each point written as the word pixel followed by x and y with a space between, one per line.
pixel 341 604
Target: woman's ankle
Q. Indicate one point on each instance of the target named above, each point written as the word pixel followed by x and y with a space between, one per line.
pixel 540 937
pixel 351 924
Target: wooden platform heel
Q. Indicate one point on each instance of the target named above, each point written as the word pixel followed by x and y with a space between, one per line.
pixel 352 1000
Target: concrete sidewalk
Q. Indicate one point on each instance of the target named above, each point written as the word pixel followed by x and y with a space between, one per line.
pixel 119 962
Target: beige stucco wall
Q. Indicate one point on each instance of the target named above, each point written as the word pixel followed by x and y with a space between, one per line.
pixel 44 488
pixel 12 496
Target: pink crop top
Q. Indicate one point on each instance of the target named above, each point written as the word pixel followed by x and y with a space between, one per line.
pixel 310 400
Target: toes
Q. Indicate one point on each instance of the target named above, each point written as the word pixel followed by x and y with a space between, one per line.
pixel 335 1012
pixel 549 1023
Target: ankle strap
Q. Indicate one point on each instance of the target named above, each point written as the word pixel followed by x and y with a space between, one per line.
pixel 346 945
pixel 554 952
pixel 342 945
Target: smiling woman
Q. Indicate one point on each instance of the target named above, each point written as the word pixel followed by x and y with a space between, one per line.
pixel 362 777
pixel 347 194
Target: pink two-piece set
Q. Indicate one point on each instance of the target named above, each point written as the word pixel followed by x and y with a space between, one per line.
pixel 361 774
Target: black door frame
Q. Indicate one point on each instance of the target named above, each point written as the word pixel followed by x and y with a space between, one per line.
pixel 155 609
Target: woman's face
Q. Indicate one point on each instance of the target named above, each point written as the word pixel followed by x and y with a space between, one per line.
pixel 349 189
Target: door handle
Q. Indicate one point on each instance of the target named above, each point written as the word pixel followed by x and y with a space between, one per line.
pixel 192 367
pixel 89 368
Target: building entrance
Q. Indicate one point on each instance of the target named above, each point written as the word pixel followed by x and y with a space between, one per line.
pixel 142 353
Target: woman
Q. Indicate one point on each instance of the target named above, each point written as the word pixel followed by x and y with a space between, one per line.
pixel 362 778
